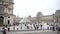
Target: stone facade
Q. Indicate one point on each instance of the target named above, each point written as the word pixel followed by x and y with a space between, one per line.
pixel 57 16
pixel 54 18
pixel 6 12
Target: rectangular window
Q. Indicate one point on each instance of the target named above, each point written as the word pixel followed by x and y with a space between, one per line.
pixel 1 10
pixel 8 21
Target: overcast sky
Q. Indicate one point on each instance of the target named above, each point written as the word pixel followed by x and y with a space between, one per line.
pixel 24 8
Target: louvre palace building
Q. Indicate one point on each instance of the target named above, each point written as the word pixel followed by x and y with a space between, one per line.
pixel 11 22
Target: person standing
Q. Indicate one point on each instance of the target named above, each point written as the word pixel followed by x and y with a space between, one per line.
pixel 41 27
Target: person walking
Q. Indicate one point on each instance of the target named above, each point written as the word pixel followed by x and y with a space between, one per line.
pixel 4 31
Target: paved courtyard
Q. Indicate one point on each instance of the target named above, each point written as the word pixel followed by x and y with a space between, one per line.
pixel 32 32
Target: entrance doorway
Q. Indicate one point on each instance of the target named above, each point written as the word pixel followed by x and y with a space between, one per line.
pixel 1 20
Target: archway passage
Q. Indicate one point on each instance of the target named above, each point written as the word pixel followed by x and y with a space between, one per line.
pixel 1 20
